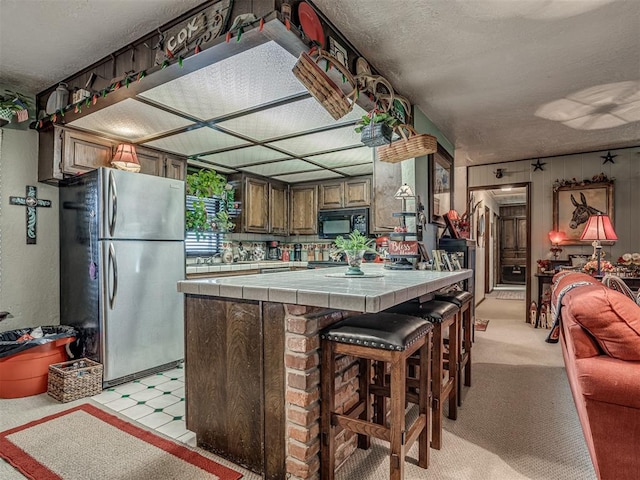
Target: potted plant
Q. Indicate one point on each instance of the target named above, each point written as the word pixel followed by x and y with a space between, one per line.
pixel 354 246
pixel 10 103
pixel 376 128
pixel 208 184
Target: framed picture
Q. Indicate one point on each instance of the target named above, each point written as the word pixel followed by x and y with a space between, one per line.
pixel 441 185
pixel 455 262
pixel 437 265
pixel 446 261
pixel 573 204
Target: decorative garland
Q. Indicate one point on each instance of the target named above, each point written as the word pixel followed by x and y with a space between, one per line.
pixel 599 178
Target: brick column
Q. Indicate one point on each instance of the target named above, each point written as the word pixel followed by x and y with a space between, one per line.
pixel 302 362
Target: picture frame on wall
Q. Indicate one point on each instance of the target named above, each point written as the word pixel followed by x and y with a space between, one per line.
pixel 440 185
pixel 573 204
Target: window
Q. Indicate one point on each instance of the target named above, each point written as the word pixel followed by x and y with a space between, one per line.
pixel 209 242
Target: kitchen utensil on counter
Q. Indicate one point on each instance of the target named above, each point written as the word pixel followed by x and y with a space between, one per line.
pixel 297 252
pixel 273 250
pixel 285 254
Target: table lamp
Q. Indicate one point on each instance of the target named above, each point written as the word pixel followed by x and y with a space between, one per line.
pixel 598 228
pixel 556 237
pixel 125 158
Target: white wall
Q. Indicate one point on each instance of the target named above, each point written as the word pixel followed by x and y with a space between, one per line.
pixel 29 274
pixel 481 251
pixel 625 171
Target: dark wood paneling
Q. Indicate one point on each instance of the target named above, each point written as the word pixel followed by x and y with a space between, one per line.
pixel 225 377
pixel 273 315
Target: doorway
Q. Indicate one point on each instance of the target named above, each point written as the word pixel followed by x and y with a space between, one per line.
pixel 502 226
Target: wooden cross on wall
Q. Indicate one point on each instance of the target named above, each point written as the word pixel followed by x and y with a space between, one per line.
pixel 30 201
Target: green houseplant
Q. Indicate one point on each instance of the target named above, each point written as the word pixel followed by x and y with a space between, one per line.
pixel 208 184
pixel 10 103
pixel 376 128
pixel 354 246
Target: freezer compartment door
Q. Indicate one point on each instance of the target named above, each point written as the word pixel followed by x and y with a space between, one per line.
pixel 142 311
pixel 141 207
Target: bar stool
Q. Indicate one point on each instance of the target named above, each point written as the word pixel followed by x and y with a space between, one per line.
pixel 463 301
pixel 443 315
pixel 381 337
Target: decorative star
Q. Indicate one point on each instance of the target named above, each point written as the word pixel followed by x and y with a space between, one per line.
pixel 538 165
pixel 608 158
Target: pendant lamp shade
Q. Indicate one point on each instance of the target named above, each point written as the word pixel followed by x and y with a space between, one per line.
pixel 125 158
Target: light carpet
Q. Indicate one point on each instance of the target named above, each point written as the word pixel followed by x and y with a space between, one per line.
pixel 85 442
pixel 510 295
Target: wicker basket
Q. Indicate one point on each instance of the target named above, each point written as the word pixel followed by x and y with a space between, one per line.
pixel 412 146
pixel 68 381
pixel 323 88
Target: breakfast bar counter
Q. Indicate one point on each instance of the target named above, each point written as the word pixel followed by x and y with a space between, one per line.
pixel 252 358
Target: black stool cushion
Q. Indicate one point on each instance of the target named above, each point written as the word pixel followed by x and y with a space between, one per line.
pixel 459 298
pixel 386 331
pixel 435 310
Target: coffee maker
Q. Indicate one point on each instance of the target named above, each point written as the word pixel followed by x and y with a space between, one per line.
pixel 273 250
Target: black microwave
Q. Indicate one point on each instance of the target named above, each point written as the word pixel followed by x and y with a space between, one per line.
pixel 332 223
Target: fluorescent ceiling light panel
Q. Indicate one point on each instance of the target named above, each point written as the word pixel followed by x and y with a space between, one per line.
pixel 245 156
pixel 196 141
pixel 320 142
pixel 307 177
pixel 366 169
pixel 343 158
pixel 300 116
pixel 130 120
pixel 279 168
pixel 196 163
pixel 259 75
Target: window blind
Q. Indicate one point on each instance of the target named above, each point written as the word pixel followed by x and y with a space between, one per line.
pixel 209 242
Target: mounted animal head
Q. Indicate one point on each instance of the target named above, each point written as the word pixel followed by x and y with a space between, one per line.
pixel 582 212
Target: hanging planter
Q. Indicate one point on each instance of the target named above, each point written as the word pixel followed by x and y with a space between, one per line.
pixel 376 128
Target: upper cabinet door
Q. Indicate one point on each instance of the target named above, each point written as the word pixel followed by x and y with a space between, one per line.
pixel 331 196
pixel 357 193
pixel 84 152
pixel 151 162
pixel 279 209
pixel 256 206
pixel 304 210
pixel 175 167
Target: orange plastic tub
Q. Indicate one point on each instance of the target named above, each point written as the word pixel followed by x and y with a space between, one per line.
pixel 26 373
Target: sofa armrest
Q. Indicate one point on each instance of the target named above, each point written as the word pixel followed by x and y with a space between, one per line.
pixel 608 380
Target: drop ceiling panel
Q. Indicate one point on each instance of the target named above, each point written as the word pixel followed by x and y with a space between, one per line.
pixel 366 169
pixel 259 75
pixel 343 158
pixel 196 141
pixel 131 120
pixel 245 156
pixel 307 177
pixel 320 142
pixel 279 168
pixel 284 120
pixel 196 163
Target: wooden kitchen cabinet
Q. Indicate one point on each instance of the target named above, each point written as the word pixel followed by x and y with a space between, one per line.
pixel 151 162
pixel 83 152
pixel 304 210
pixel 344 194
pixel 387 178
pixel 278 209
pixel 256 205
pixel 175 167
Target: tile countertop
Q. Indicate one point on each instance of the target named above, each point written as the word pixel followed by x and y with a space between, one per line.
pixel 314 288
pixel 232 267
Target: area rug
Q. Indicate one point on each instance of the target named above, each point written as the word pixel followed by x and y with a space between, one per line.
pixel 481 325
pixel 85 443
pixel 510 295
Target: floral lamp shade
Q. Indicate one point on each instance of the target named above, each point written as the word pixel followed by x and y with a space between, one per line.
pixel 126 158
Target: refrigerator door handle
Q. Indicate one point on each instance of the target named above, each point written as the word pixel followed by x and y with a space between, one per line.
pixel 112 272
pixel 113 197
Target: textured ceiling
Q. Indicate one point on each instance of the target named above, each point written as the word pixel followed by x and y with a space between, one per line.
pixel 503 80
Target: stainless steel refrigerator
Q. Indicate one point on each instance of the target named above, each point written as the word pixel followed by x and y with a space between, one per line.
pixel 121 256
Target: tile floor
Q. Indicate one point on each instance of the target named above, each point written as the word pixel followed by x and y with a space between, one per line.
pixel 156 401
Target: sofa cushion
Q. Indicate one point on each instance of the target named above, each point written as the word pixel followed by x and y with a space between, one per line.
pixel 611 317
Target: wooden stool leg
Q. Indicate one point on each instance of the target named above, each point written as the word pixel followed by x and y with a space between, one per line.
pixel 364 441
pixel 436 388
pixel 381 403
pixel 424 393
pixel 397 420
pixel 327 450
pixel 467 346
pixel 454 356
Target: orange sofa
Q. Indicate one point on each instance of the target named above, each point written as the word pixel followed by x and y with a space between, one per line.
pixel 600 338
